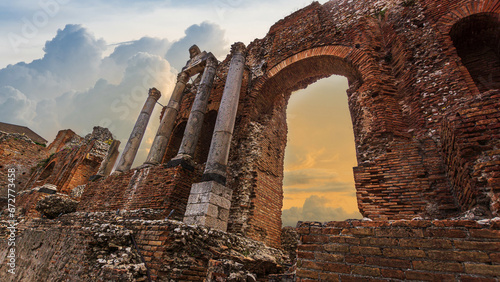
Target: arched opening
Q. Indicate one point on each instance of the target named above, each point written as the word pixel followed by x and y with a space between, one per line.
pixel 477 40
pixel 257 202
pixel 175 142
pixel 318 183
pixel 47 172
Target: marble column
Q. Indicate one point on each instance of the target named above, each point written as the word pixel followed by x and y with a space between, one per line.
pixel 195 122
pixel 167 123
pixel 223 132
pixel 210 201
pixel 135 138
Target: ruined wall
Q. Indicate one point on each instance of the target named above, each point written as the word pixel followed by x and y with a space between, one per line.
pixel 73 161
pixel 159 188
pixel 440 250
pixel 407 71
pixel 19 152
pixel 100 246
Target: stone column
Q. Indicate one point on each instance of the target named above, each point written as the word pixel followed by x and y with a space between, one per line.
pixel 167 123
pixel 209 201
pixel 197 115
pixel 223 131
pixel 135 138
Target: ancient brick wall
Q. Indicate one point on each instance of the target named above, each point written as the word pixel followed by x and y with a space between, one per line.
pixel 440 250
pixel 407 72
pixel 158 188
pixel 99 246
pixel 73 161
pixel 19 152
pixel 471 142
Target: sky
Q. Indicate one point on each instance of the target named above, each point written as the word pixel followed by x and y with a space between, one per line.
pixel 78 64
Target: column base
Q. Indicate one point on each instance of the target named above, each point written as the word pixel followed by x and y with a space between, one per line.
pixel 186 163
pixel 208 205
pixel 221 179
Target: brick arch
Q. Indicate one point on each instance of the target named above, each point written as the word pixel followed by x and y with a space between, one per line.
pixel 374 111
pixel 358 58
pixel 446 22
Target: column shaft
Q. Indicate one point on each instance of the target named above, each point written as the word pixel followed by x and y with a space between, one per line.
pixel 135 138
pixel 224 126
pixel 197 115
pixel 167 123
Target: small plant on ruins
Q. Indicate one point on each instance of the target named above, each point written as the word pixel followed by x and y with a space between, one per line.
pixel 43 145
pixel 44 162
pixel 380 14
pixel 109 141
pixel 408 3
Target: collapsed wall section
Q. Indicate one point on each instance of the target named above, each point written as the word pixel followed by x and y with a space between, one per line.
pixel 121 247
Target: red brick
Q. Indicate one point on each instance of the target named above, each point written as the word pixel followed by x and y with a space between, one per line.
pixel 395 263
pixel 480 246
pixel 306 264
pixel 483 269
pixel 302 273
pixel 336 267
pixel 446 233
pixel 329 257
pixel 392 273
pixel 366 250
pixel 358 231
pixel 355 259
pixel 458 256
pixel 485 233
pixel 428 276
pixel 305 255
pixel 365 271
pixel 314 239
pixel 404 253
pixel 383 242
pixel 426 243
pixel 336 248
pixel 399 233
pixel 438 266
pixel 310 247
pixel 329 277
pixel 465 278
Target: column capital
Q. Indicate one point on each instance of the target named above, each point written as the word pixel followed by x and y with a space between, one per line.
pixel 238 48
pixel 212 61
pixel 183 77
pixel 154 93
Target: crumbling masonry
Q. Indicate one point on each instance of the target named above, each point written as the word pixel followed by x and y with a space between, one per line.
pixel 424 79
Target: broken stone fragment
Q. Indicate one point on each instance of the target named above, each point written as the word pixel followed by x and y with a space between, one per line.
pixel 48 189
pixel 53 205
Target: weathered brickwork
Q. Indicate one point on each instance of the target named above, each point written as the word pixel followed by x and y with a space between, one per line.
pixel 471 141
pixel 410 66
pixel 100 247
pixel 73 161
pixel 159 188
pixel 440 250
pixel 21 153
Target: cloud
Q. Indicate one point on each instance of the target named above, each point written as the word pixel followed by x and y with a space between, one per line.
pixel 14 105
pixel 315 208
pixel 75 86
pixel 71 61
pixel 308 176
pixel 209 37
